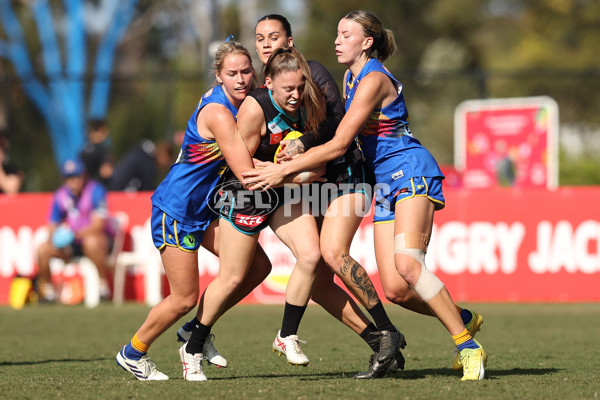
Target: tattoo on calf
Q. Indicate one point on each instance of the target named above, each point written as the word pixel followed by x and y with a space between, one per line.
pixel 360 280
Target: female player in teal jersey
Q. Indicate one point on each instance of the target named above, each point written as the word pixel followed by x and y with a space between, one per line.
pixel 182 218
pixel 408 178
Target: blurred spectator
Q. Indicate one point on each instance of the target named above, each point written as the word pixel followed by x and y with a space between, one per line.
pixel 78 225
pixel 11 176
pixel 138 170
pixel 95 153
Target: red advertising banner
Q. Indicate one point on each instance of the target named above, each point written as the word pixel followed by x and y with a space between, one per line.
pixel 507 142
pixel 496 245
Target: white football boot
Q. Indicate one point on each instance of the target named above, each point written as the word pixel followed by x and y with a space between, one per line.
pixel 192 365
pixel 211 354
pixel 209 350
pixel 290 346
pixel 143 369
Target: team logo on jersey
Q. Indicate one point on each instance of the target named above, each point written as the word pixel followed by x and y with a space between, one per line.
pixel 275 138
pixel 275 132
pixel 398 175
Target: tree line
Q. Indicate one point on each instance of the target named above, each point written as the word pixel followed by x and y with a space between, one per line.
pixel 447 52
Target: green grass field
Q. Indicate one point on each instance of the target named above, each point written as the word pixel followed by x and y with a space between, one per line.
pixel 536 351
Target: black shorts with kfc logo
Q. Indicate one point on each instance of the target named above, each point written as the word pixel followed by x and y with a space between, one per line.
pixel 248 210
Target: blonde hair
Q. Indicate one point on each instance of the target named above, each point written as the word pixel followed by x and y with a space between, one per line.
pixel 289 59
pixel 227 48
pixel 383 39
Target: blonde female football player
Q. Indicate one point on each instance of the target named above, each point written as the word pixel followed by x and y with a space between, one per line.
pixel 407 176
pixel 182 218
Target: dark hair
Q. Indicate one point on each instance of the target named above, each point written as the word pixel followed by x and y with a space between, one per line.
pixel 278 17
pixel 383 39
pixel 286 59
pixel 96 124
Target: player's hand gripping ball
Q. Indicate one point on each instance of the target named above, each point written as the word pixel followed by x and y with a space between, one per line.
pixel 291 135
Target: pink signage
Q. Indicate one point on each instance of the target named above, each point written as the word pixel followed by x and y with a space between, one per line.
pixel 507 142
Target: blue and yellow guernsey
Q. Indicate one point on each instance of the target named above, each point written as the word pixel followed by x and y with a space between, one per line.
pixel 188 189
pixel 386 141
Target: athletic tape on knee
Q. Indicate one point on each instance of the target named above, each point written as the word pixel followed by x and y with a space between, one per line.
pixel 428 285
pixel 411 240
pixel 415 244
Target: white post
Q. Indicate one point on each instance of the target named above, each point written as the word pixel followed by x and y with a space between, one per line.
pixel 91 283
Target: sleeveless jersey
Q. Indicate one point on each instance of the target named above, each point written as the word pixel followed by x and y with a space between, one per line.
pixel 278 123
pixel 349 167
pixel 249 212
pixel 386 141
pixel 188 190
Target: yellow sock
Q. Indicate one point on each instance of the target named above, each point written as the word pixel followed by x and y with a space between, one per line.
pixel 461 337
pixel 140 346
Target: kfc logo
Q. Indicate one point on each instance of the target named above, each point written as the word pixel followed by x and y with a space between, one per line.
pixel 250 220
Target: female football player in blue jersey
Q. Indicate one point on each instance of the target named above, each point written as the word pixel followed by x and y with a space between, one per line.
pixel 409 181
pixel 182 218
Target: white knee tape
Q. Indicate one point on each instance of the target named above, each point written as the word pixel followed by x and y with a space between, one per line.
pixel 428 285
